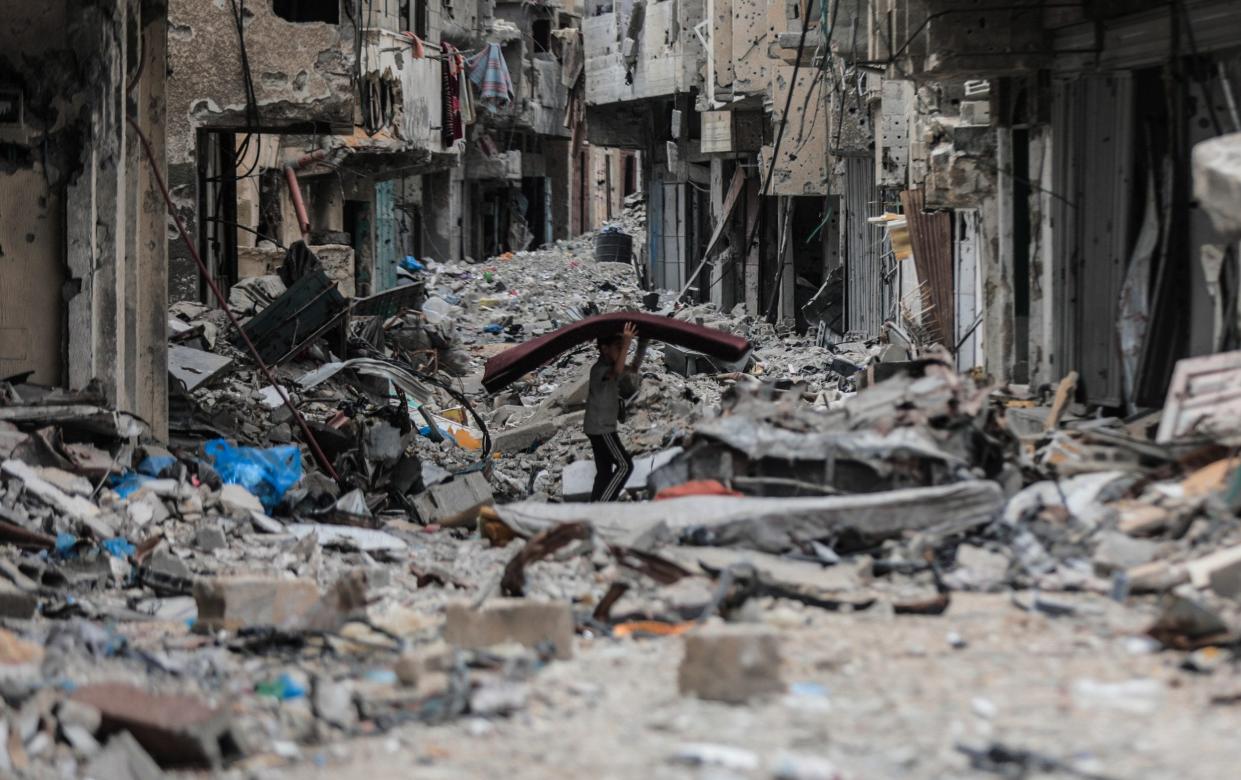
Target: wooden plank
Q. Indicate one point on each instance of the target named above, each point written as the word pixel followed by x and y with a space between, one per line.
pixel 1064 394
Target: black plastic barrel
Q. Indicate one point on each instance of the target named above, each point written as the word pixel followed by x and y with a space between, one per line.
pixel 613 247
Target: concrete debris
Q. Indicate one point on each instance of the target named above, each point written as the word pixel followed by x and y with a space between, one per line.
pixel 176 730
pixel 732 663
pixel 231 603
pixel 528 623
pixel 396 546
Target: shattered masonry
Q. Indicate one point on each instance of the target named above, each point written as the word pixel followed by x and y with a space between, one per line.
pixel 935 466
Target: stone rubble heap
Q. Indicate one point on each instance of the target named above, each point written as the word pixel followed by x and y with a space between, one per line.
pixel 221 601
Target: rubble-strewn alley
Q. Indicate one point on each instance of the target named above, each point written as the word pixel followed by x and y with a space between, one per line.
pixel 651 388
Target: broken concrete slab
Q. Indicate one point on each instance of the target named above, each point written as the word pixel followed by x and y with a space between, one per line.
pixel 977 569
pixel 570 395
pixel 455 502
pixel 122 759
pixel 75 507
pixel 526 622
pixel 524 437
pixel 239 501
pixel 1220 571
pixel 578 477
pixel 176 730
pixel 1118 551
pixel 771 525
pixel 195 367
pixel 731 663
pixel 364 539
pixel 230 603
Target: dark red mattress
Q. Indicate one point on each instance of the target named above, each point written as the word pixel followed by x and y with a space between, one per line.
pixel 503 369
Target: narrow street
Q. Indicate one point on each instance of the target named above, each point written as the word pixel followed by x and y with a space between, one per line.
pixel 720 390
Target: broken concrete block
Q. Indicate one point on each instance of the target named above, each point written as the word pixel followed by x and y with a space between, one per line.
pixel 72 484
pixel 210 538
pixel 174 729
pixel 1156 577
pixel 194 367
pixel 1116 550
pixel 73 506
pixel 526 622
pixel 570 395
pixel 455 502
pixel 230 603
pixel 977 569
pixel 524 437
pixel 1202 569
pixel 1217 182
pixel 1138 519
pixel 72 712
pixel 239 501
pixel 333 702
pixel 414 665
pixel 124 759
pixel 1220 571
pixel 16 603
pixel 731 663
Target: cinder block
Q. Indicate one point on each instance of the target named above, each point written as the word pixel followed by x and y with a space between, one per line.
pixel 455 502
pixel 732 663
pixel 528 623
pixel 230 603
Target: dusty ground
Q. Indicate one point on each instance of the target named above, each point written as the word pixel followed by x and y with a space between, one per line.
pixel 880 696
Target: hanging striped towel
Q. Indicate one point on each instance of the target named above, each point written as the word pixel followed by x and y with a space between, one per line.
pixel 489 72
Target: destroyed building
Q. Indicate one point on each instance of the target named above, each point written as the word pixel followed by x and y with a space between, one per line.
pixel 932 413
pixel 799 154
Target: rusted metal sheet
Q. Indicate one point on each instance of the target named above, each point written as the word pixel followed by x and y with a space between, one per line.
pixel 931 234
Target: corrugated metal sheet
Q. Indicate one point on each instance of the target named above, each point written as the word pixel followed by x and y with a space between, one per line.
pixel 1093 147
pixel 386 245
pixel 930 232
pixel 865 294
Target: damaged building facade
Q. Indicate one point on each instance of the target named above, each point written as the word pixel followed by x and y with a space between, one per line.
pixel 82 223
pixel 375 131
pixel 1013 184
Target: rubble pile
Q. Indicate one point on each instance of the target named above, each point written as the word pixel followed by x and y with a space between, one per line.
pixel 371 541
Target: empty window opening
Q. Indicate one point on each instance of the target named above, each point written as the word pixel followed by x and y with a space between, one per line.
pixel 541 31
pixel 308 10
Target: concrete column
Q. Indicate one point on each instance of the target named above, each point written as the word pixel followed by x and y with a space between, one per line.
pixel 996 258
pixel 116 230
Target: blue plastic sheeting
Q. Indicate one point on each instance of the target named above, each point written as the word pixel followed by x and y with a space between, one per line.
pixel 267 473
